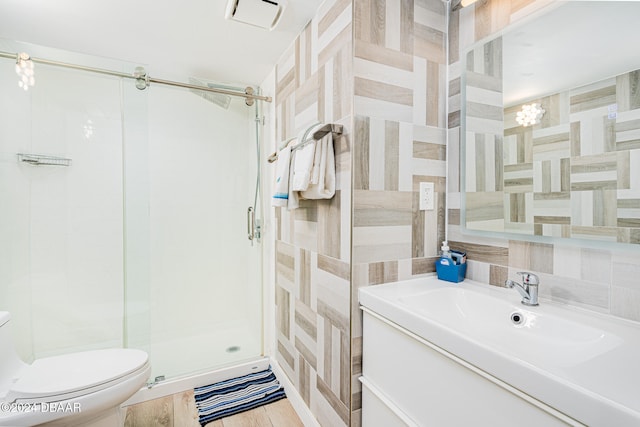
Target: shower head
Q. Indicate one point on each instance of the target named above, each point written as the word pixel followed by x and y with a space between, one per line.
pixel 216 98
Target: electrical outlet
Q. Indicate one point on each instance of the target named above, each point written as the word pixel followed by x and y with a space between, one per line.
pixel 427 195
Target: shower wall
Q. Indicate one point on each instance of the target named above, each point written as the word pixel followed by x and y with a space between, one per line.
pixel 61 256
pixel 142 241
pixel 205 276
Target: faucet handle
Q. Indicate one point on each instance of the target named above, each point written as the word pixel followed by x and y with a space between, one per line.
pixel 529 278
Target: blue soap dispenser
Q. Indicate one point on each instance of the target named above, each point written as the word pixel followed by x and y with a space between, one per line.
pixel 447 268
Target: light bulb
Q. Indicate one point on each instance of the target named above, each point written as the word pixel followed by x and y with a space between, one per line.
pixel 25 71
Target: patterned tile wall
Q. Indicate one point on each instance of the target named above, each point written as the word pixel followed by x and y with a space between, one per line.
pixel 399 140
pixel 379 68
pixel 603 280
pixel 314 83
pixel 385 61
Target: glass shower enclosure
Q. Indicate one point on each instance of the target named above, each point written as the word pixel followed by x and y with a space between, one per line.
pixel 138 236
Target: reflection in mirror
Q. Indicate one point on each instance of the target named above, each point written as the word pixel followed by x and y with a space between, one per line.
pixel 552 126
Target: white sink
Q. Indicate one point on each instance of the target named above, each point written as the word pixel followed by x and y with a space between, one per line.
pixel 530 334
pixel 581 363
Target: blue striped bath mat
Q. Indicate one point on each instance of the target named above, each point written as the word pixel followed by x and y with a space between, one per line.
pixel 237 395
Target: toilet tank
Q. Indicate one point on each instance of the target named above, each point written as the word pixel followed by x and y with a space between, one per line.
pixel 10 363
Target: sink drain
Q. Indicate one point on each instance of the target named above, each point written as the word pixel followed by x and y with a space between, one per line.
pixel 517 318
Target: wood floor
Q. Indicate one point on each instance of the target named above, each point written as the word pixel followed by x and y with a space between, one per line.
pixel 179 410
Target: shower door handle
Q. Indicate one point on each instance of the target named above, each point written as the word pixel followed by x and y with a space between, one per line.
pixel 251 223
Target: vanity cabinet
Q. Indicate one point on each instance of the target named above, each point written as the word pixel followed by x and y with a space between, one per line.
pixel 408 381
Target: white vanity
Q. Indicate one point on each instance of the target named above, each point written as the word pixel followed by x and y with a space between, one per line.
pixel 441 354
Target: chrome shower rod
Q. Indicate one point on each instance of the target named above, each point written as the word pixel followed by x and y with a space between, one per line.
pixel 143 80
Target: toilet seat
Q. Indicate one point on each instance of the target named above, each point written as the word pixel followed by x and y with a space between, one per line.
pixel 69 376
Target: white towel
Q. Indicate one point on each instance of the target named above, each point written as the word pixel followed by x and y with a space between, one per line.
pixel 323 181
pixel 292 201
pixel 281 187
pixel 302 168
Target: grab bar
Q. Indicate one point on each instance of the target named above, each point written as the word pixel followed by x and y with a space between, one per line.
pixel 251 223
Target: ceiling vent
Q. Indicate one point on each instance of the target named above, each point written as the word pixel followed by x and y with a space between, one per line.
pixel 259 13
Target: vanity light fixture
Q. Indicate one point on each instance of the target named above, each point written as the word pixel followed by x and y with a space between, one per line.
pixel 24 70
pixel 530 114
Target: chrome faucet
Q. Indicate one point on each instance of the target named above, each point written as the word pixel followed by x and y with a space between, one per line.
pixel 528 289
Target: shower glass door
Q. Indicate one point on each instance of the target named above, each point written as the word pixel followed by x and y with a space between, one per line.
pixel 140 241
pixel 189 258
pixel 61 221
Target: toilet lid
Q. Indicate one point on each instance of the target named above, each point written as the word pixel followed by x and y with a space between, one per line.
pixel 69 373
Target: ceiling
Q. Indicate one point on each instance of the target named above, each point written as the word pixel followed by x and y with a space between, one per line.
pixel 172 39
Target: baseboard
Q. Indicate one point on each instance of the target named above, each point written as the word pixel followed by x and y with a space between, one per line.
pixel 301 408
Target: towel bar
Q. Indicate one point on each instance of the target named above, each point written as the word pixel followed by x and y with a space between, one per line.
pixel 336 129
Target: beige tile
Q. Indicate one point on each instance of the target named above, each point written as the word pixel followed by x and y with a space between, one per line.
pixel 361 21
pixel 332 14
pixel 305 276
pixel 498 275
pixel 334 266
pixel 361 153
pixel 334 47
pixel 383 91
pixel 306 319
pixel 283 301
pixel 333 316
pixel 383 55
pixel 593 99
pixel 426 150
pixel 285 355
pixel 483 253
pixel 428 43
pixel 382 208
pixel 339 407
pixel 423 265
pixel 391 155
pixel 330 226
pixel 383 272
pixel 483 206
pixel 377 18
pixel 307 94
pixel 309 355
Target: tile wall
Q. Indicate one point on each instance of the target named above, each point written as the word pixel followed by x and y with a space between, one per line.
pixel 596 279
pixel 314 83
pixel 379 68
pixel 385 63
pixel 399 138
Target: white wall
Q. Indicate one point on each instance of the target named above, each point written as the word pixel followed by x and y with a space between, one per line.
pixel 61 238
pixel 205 275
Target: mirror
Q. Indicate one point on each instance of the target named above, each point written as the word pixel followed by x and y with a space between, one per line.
pixel 575 172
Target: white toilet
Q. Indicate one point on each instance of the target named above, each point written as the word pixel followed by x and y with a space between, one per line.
pixel 84 388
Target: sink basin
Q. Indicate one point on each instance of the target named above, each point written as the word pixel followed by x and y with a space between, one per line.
pixel 582 363
pixel 533 335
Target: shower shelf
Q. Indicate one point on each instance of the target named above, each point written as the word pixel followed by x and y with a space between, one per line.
pixel 41 160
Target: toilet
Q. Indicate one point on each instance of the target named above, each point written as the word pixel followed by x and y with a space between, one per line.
pixel 84 388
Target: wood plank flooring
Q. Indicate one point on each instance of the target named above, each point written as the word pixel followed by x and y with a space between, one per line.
pixel 179 410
